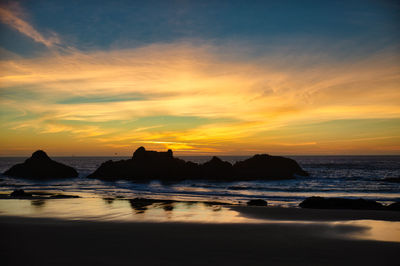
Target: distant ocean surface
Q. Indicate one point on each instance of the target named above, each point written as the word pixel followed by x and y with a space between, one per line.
pixel 331 176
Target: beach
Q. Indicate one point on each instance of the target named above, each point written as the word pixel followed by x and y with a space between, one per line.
pixel 51 241
pixel 83 221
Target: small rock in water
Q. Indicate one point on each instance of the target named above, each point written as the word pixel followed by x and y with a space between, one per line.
pixel 62 196
pixel 20 193
pixel 257 202
pixel 340 203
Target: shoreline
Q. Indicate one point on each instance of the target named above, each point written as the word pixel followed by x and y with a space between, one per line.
pixel 55 205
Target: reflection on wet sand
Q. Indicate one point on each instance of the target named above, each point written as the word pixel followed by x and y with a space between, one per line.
pixel 109 200
pixel 213 206
pixel 151 210
pixel 140 205
pixel 168 207
pixel 375 230
pixel 38 203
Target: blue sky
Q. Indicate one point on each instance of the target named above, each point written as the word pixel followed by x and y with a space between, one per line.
pixel 364 25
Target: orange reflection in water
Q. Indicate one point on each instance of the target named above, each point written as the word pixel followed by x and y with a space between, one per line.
pixel 122 210
pixel 111 209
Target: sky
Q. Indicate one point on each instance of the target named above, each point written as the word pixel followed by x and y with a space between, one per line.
pixel 101 78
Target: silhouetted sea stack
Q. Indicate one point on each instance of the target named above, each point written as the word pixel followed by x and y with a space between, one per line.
pixel 264 166
pixel 148 165
pixel 216 168
pixel 40 166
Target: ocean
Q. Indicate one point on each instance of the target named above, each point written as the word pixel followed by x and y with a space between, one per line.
pixel 331 176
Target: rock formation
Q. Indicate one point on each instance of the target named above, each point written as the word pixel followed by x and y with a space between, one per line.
pixel 216 168
pixel 340 203
pixel 148 165
pixel 145 165
pixel 40 166
pixel 257 202
pixel 264 166
pixel 36 195
pixel 20 193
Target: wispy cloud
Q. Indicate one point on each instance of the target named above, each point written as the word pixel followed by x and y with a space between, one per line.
pixel 14 17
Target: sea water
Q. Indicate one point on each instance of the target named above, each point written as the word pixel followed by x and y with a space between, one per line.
pixel 330 176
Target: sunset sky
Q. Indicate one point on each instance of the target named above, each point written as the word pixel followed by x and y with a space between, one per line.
pixel 200 77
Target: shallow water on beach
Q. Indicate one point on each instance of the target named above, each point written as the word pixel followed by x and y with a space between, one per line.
pixel 97 209
pixel 374 230
pixel 122 210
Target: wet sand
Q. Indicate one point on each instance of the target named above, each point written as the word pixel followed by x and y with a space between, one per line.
pixel 298 214
pixel 45 241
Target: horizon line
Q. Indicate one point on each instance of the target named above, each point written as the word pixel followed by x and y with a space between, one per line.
pixel 210 155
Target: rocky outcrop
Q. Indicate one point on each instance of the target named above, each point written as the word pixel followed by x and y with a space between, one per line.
pixel 340 203
pixel 257 202
pixel 148 165
pixel 20 193
pixel 40 166
pixel 264 166
pixel 216 168
pixel 35 195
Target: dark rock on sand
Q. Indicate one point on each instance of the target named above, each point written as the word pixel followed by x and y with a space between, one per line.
pixel 257 202
pixel 168 207
pixel 148 165
pixel 40 166
pixel 20 193
pixel 340 203
pixel 36 195
pixel 394 206
pixel 62 196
